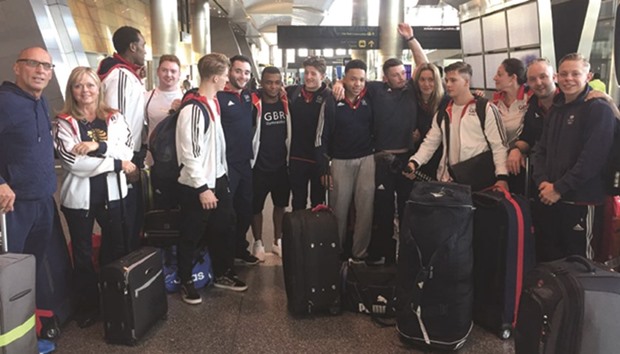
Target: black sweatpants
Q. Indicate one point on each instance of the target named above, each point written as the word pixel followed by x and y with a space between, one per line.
pixel 113 246
pixel 562 230
pixel 388 183
pixel 215 227
pixel 300 172
pixel 240 177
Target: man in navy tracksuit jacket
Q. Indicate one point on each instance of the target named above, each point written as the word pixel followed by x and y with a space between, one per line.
pixel 27 176
pixel 311 106
pixel 568 163
pixel 236 110
pixel 350 145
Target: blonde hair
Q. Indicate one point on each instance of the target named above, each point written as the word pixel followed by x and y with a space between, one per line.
pixel 212 64
pixel 437 95
pixel 71 108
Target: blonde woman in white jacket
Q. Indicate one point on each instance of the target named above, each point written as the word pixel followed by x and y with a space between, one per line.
pixel 95 148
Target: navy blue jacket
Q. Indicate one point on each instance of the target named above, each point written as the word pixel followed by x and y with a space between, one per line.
pixel 237 122
pixel 574 148
pixel 26 145
pixel 307 123
pixel 533 122
pixel 395 114
pixel 350 135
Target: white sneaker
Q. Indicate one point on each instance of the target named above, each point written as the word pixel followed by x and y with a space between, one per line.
pixel 259 250
pixel 277 248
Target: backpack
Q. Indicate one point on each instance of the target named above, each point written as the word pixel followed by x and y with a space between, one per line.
pixel 162 144
pixel 612 168
pixel 481 112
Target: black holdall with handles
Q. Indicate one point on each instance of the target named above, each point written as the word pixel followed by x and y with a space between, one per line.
pixel 434 291
pixel 370 290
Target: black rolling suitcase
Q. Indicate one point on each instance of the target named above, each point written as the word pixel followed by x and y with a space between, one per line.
pixel 570 306
pixel 504 251
pixel 434 293
pixel 311 261
pixel 132 292
pixel 133 296
pixel 17 300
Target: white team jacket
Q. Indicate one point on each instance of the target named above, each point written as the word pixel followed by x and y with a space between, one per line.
pixel 202 154
pixel 125 92
pixel 75 189
pixel 472 141
pixel 258 103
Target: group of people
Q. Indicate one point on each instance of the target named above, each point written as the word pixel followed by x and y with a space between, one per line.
pixel 565 129
pixel 364 141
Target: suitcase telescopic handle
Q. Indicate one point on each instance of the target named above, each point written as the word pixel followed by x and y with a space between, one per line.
pixel 582 261
pixel 4 240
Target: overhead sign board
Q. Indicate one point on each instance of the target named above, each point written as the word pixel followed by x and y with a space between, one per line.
pixel 326 37
pixel 438 37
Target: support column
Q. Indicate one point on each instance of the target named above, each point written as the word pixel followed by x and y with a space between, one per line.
pixel 164 27
pixel 360 18
pixel 201 29
pixel 390 15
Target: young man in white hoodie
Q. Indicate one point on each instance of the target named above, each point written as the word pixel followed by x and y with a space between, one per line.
pixel 467 138
pixel 206 204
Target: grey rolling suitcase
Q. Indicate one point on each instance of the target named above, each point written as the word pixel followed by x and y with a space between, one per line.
pixel 17 300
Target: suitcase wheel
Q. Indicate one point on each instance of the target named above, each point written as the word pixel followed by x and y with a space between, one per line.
pixel 506 332
pixel 334 310
pixel 50 328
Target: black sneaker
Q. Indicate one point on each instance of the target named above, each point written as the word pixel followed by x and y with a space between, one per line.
pixel 87 317
pixel 247 259
pixel 355 260
pixel 189 294
pixel 230 281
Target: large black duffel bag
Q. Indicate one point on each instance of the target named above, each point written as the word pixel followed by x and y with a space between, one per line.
pixel 435 286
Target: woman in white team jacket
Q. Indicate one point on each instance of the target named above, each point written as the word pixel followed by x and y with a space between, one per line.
pixel 95 148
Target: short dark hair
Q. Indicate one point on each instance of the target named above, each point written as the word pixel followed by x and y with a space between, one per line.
pixel 390 63
pixel 514 66
pixel 460 67
pixel 123 37
pixel 355 64
pixel 270 70
pixel 596 76
pixel 317 63
pixel 241 58
pixel 169 57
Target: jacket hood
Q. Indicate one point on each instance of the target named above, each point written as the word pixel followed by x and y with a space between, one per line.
pixel 11 87
pixel 110 63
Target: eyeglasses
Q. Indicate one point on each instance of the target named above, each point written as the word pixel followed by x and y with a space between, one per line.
pixel 35 63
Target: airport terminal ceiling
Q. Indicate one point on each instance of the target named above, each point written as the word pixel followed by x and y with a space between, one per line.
pixel 260 18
